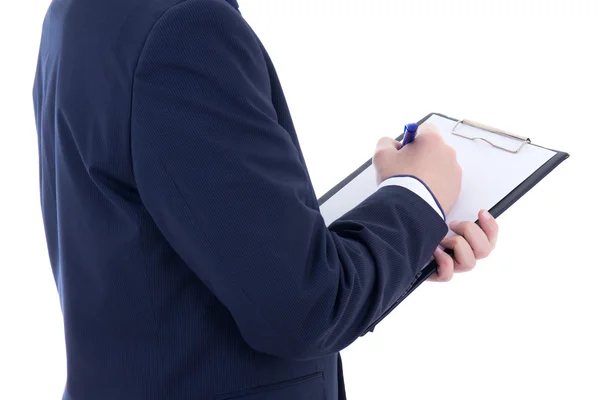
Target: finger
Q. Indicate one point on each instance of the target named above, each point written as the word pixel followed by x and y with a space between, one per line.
pixel 445 267
pixel 475 236
pixel 464 259
pixel 489 226
pixel 387 143
pixel 427 129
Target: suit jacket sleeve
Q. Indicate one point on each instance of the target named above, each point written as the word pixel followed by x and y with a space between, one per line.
pixel 226 185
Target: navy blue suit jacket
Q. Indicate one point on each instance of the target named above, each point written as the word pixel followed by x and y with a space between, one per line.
pixel 183 231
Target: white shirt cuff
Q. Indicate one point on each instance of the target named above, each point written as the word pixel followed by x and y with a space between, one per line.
pixel 416 186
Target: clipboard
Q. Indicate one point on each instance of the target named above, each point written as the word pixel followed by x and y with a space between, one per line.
pixel 472 137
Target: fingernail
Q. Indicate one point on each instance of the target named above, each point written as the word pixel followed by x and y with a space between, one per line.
pixel 485 214
pixel 453 225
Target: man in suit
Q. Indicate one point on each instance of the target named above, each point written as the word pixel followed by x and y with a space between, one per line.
pixel 183 231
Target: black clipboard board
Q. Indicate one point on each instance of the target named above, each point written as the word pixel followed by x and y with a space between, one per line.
pixel 496 210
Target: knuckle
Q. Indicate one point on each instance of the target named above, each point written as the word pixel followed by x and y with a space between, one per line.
pixel 432 137
pixel 483 252
pixel 462 246
pixel 425 138
pixel 459 241
pixel 436 139
pixel 449 242
pixel 379 154
pixel 470 228
pixel 493 226
pixel 382 140
pixel 459 229
pixel 470 265
pixel 429 129
pixel 444 276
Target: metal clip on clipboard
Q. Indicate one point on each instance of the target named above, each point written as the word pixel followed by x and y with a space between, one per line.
pixel 521 139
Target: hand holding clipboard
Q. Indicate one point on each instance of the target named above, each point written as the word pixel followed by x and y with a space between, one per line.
pixel 457 253
pixel 498 168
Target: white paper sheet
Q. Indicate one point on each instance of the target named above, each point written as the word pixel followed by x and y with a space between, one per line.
pixel 489 174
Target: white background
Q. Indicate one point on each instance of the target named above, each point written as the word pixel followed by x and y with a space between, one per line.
pixel 524 325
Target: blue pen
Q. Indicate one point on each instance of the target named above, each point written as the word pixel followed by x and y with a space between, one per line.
pixel 410 132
